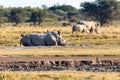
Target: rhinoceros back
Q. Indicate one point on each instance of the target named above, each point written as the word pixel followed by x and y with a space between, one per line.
pixel 37 39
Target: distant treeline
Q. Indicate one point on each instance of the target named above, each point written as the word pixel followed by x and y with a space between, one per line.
pixel 103 11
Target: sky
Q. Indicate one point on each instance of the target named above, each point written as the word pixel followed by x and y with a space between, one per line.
pixel 39 3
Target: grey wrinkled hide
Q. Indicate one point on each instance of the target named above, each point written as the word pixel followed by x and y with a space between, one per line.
pixel 79 28
pixel 91 26
pixel 50 39
pixel 47 39
pixel 33 40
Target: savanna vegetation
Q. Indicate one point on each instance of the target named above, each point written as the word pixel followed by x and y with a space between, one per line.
pixel 103 11
pixel 61 75
pixel 105 43
pixel 16 21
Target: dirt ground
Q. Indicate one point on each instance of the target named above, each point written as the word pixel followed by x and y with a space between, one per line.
pixel 56 63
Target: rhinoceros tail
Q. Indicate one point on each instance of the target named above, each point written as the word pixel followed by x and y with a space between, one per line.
pixel 21 39
pixel 20 42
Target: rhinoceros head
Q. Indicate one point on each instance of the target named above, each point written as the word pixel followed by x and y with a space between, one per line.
pixel 59 39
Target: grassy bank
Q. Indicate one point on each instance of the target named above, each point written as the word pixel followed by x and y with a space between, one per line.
pixel 105 43
pixel 10 36
pixel 88 51
pixel 59 75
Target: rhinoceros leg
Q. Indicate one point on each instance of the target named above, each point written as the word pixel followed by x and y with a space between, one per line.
pixel 91 30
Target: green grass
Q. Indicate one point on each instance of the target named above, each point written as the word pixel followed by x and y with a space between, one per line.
pixel 59 75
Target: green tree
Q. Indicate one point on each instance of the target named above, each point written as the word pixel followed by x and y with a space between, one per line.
pixel 66 8
pixel 64 11
pixel 102 10
pixel 44 6
pixel 38 16
pixel 28 12
pixel 33 17
pixel 3 18
pixel 17 15
pixel 41 16
pixel 1 15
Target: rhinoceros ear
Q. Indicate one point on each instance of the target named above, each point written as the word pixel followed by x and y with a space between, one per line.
pixel 22 35
pixel 47 30
pixel 59 33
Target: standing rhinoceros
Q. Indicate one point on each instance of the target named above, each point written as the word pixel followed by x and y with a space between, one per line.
pixel 46 39
pixel 90 25
pixel 79 28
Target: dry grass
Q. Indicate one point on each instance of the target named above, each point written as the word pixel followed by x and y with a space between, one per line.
pixel 98 51
pixel 10 36
pixel 59 75
pixel 105 43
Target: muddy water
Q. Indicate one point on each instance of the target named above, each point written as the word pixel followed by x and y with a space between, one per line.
pixel 55 63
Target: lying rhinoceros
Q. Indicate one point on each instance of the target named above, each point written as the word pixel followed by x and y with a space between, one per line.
pixel 46 39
